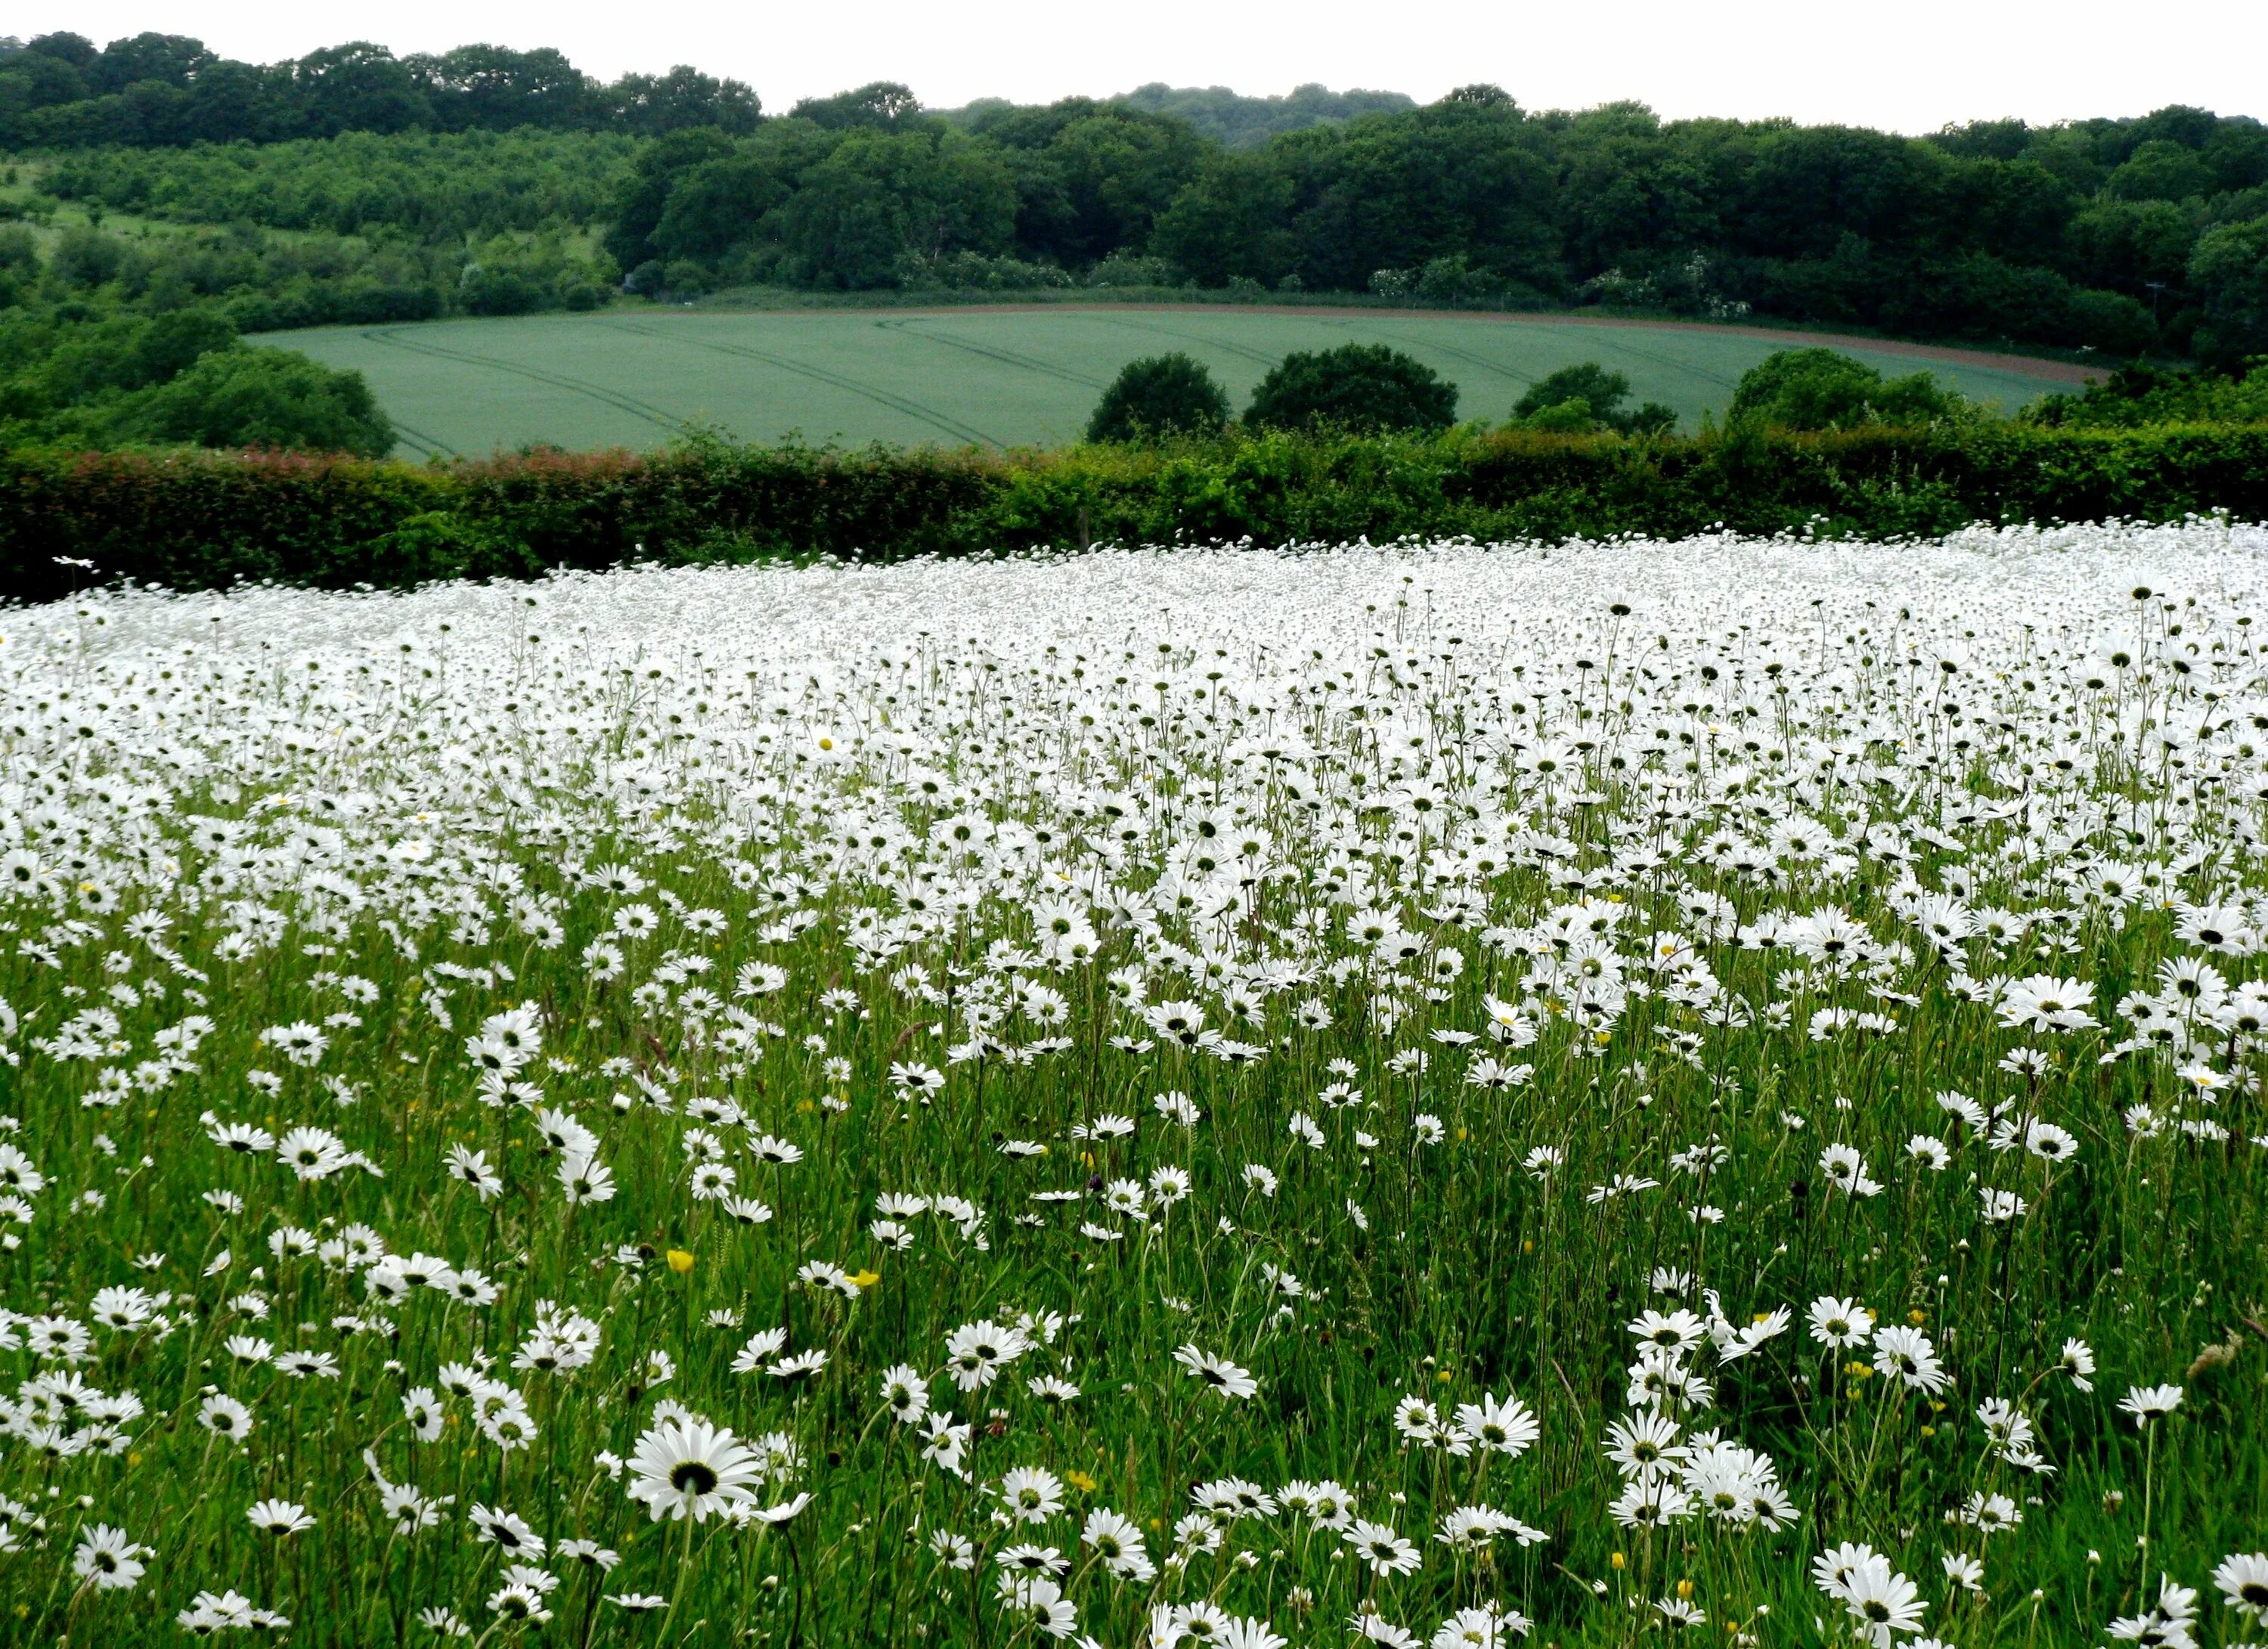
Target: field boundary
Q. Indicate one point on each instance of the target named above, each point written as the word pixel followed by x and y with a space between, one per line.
pixel 1946 354
pixel 211 520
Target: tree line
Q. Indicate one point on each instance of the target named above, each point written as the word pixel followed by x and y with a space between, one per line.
pixel 2124 236
pixel 489 182
pixel 61 91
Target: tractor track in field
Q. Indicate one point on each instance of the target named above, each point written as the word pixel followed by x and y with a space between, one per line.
pixel 1945 354
pixel 1007 358
pixel 1260 357
pixel 621 403
pixel 945 329
pixel 423 445
pixel 1668 361
pixel 945 422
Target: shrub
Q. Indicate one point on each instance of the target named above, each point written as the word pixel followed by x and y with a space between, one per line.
pixel 2140 394
pixel 684 278
pixel 1587 396
pixel 1822 389
pixel 250 397
pixel 484 290
pixel 1126 268
pixel 208 519
pixel 1356 386
pixel 173 343
pixel 1160 394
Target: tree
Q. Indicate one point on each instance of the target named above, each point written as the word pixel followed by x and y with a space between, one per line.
pixel 1587 396
pixel 645 195
pixel 178 339
pixel 496 88
pixel 2229 271
pixel 357 87
pixel 881 199
pixel 1822 389
pixel 174 59
pixel 1362 387
pixel 884 104
pixel 252 397
pixel 2125 245
pixel 1233 220
pixel 682 99
pixel 2161 171
pixel 1160 394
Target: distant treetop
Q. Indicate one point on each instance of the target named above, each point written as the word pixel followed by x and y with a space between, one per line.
pixel 155 89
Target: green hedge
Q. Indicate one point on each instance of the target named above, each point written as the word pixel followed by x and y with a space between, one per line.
pixel 191 520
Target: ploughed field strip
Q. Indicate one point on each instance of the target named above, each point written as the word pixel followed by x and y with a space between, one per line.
pixel 991 377
pixel 1420 1095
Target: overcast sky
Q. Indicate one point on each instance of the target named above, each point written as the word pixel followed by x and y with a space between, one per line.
pixel 1912 66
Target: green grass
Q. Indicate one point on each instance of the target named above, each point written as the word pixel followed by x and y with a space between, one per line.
pixel 633 378
pixel 1437 977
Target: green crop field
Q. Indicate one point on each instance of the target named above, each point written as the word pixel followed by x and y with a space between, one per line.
pixel 998 377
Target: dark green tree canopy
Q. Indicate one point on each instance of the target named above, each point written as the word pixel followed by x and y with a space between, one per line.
pixel 1159 395
pixel 2229 272
pixel 1824 389
pixel 1586 396
pixel 2118 237
pixel 1365 386
pixel 274 398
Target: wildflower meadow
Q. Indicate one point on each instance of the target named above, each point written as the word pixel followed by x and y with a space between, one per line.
pixel 1443 1095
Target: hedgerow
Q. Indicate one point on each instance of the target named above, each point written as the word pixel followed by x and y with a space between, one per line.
pixel 199 520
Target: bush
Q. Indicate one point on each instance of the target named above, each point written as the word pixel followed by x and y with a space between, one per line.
pixel 1357 386
pixel 1822 389
pixel 203 520
pixel 684 278
pixel 250 397
pixel 1160 394
pixel 1587 396
pixel 484 290
pixel 973 271
pixel 2139 395
pixel 1127 268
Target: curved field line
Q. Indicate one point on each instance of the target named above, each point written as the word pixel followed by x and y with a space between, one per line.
pixel 1451 349
pixel 1670 363
pixel 936 420
pixel 2042 369
pixel 1265 359
pixel 1007 358
pixel 615 399
pixel 418 441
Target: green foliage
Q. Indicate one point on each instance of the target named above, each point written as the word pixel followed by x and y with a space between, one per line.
pixel 1824 389
pixel 1357 386
pixel 1586 396
pixel 883 200
pixel 2229 271
pixel 881 105
pixel 352 186
pixel 272 398
pixel 205 521
pixel 1159 395
pixel 426 186
pixel 161 90
pixel 1245 122
pixel 2139 395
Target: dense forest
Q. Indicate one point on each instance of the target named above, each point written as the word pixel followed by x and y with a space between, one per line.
pixel 150 176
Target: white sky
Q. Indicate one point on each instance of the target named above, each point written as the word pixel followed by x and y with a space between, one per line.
pixel 1908 66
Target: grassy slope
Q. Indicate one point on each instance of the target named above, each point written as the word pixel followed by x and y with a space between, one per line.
pixel 1000 377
